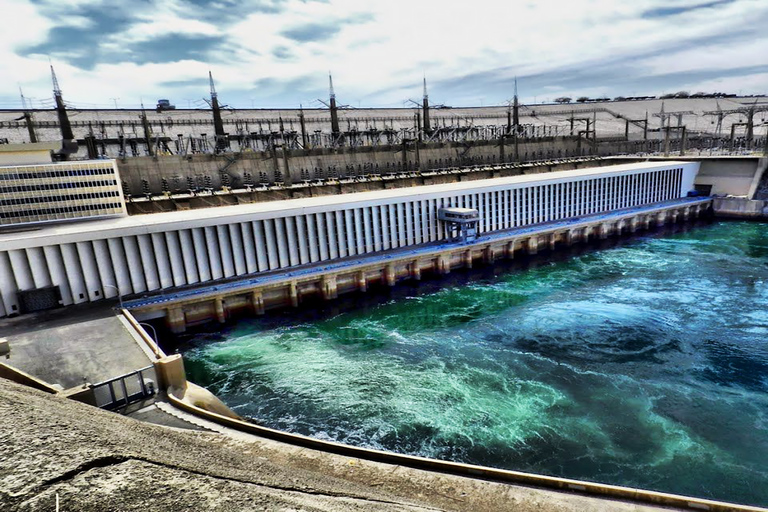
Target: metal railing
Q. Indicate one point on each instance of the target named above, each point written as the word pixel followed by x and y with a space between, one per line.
pixel 125 389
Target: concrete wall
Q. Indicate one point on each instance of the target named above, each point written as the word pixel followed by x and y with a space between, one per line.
pixel 145 174
pixel 732 176
pixel 21 154
pixel 740 207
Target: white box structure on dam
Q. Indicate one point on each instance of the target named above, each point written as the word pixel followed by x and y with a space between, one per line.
pixel 92 260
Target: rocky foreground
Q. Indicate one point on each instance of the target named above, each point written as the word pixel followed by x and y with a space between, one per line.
pixel 95 460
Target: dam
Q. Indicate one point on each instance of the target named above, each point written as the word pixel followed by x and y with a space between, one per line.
pixel 193 272
pixel 123 256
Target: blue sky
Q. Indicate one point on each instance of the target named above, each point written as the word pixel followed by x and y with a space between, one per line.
pixel 270 53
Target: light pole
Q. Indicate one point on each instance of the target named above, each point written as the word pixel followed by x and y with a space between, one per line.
pixel 119 295
pixel 115 100
pixel 154 338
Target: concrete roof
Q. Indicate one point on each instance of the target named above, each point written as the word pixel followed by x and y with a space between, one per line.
pixel 167 221
pixel 36 146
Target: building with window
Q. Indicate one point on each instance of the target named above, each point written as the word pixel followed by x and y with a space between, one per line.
pixel 34 189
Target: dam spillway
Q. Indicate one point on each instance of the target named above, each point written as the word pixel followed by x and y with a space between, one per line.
pixel 620 366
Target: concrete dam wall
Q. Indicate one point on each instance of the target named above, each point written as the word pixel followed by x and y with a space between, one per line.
pixel 102 259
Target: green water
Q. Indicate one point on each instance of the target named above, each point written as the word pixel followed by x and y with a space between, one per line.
pixel 644 364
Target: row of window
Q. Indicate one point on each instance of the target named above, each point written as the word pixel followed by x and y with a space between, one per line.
pixel 58 199
pixel 55 213
pixel 57 186
pixel 26 173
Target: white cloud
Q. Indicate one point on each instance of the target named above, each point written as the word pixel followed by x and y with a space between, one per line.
pixel 401 40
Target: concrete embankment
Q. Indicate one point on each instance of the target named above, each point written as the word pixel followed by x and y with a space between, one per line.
pixel 740 208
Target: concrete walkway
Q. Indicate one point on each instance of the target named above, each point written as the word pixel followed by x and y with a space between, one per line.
pixel 73 345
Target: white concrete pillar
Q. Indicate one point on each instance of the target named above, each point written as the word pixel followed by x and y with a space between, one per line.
pixel 273 259
pixel 249 247
pixel 341 233
pixel 225 250
pixel 148 263
pixel 212 249
pixel 348 241
pixel 489 210
pixel 493 212
pixel 349 233
pixel 525 197
pixel 201 254
pixel 500 209
pixel 90 271
pixel 261 246
pixel 21 270
pixel 401 226
pixel 413 206
pixel 408 207
pixel 38 267
pixel 301 234
pixel 322 236
pixel 331 230
pixel 283 253
pixel 105 268
pixel 386 227
pixel 579 197
pixel 173 246
pixel 293 243
pixel 376 219
pixel 313 242
pixel 162 260
pixel 7 286
pixel 238 251
pixel 570 199
pixel 132 256
pixel 434 231
pixel 367 229
pixel 58 272
pixel 357 215
pixel 518 207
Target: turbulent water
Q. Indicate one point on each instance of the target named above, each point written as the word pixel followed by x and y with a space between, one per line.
pixel 644 364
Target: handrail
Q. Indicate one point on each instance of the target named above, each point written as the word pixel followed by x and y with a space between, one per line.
pixel 470 470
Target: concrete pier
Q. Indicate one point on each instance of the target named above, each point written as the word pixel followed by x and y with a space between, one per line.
pixel 328 281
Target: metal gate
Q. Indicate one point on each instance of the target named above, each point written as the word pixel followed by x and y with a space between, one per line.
pixel 125 389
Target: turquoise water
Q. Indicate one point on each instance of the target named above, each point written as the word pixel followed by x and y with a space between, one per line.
pixel 643 364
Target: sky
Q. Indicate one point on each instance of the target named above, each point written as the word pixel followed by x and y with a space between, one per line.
pixel 278 53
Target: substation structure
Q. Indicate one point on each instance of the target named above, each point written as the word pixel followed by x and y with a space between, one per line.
pixel 215 247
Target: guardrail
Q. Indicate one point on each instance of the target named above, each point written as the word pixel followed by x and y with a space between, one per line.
pixel 125 389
